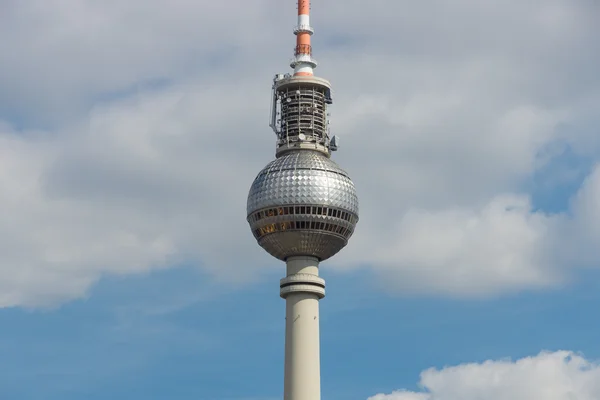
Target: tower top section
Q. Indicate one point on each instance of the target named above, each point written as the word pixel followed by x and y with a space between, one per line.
pixel 303 63
pixel 299 102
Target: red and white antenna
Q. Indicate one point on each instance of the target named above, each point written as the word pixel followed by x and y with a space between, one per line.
pixel 303 63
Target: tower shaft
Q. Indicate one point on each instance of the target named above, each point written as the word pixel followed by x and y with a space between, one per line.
pixel 302 289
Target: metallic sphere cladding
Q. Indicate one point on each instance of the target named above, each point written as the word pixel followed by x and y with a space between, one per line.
pixel 302 204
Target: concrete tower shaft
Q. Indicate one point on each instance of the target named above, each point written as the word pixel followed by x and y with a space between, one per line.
pixel 302 289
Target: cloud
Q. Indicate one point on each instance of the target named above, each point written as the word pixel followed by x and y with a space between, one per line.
pixel 133 132
pixel 581 237
pixel 501 247
pixel 504 245
pixel 139 188
pixel 62 57
pixel 561 375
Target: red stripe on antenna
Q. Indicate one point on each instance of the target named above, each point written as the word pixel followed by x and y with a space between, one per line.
pixel 303 7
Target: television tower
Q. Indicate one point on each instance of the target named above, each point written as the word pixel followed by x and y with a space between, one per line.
pixel 302 207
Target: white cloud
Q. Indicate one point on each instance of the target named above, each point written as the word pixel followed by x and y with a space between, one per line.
pixel 140 188
pixel 501 247
pixel 445 117
pixel 560 375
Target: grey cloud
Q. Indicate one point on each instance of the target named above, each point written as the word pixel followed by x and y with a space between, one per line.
pixel 444 113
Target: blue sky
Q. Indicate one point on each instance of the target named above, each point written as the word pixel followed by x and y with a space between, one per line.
pixel 167 334
pixel 130 134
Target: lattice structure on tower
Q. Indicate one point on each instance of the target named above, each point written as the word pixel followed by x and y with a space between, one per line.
pixel 300 116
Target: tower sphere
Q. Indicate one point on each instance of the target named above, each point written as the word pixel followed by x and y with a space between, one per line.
pixel 302 204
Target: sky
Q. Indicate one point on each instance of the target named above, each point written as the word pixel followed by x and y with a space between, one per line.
pixel 130 133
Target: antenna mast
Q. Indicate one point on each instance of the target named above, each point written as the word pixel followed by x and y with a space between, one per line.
pixel 303 63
